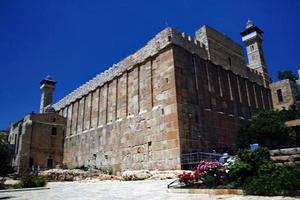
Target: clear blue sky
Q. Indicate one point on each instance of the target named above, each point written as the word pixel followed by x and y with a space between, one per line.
pixel 73 40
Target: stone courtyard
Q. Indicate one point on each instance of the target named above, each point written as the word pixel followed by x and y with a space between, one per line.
pixel 110 190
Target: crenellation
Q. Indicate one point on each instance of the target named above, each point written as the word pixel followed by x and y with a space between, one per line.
pixel 161 41
pixel 166 99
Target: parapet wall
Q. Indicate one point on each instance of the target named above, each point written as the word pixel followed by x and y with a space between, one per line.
pixel 160 41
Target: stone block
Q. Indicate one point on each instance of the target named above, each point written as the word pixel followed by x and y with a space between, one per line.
pixel 275 152
pixel 288 151
pixel 295 157
pixel 281 158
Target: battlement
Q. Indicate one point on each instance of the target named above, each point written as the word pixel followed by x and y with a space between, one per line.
pixel 162 40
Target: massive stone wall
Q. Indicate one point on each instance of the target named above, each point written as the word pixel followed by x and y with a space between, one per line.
pixel 136 115
pixel 129 122
pixel 212 103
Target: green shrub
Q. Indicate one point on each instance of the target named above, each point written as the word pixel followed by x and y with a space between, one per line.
pixel 288 177
pixel 267 128
pixel 261 185
pixel 31 181
pixel 283 179
pixel 250 163
pixel 257 174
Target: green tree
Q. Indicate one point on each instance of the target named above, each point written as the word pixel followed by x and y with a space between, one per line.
pixel 5 158
pixel 267 128
pixel 286 74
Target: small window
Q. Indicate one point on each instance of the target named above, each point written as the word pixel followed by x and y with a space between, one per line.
pixel 251 48
pixel 31 161
pixel 53 131
pixel 229 61
pixel 49 163
pixel 279 95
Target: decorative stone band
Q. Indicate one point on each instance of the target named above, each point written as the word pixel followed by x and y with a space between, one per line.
pixel 154 46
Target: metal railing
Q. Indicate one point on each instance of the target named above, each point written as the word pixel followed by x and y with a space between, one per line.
pixel 195 158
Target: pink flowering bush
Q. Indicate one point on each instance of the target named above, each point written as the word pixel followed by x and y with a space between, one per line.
pixel 209 173
pixel 187 177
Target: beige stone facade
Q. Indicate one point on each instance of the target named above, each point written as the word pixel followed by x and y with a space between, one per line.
pixel 285 93
pixel 174 96
pixel 38 141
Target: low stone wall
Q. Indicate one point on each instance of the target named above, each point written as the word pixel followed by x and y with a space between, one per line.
pixel 76 175
pixel 289 156
pixel 152 175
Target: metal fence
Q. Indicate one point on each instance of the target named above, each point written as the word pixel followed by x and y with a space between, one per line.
pixel 195 158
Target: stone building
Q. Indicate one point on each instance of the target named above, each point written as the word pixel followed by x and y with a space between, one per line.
pixel 176 95
pixel 285 93
pixel 38 138
pixel 4 135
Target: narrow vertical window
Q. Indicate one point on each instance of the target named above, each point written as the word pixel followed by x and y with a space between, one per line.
pixel 53 131
pixel 50 163
pixel 229 61
pixel 279 95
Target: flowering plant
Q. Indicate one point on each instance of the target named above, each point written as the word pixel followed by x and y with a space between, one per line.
pixel 187 177
pixel 210 173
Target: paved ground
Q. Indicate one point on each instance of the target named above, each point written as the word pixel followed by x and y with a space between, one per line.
pixel 111 190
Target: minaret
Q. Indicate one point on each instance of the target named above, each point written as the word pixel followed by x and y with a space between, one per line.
pixel 252 37
pixel 47 88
